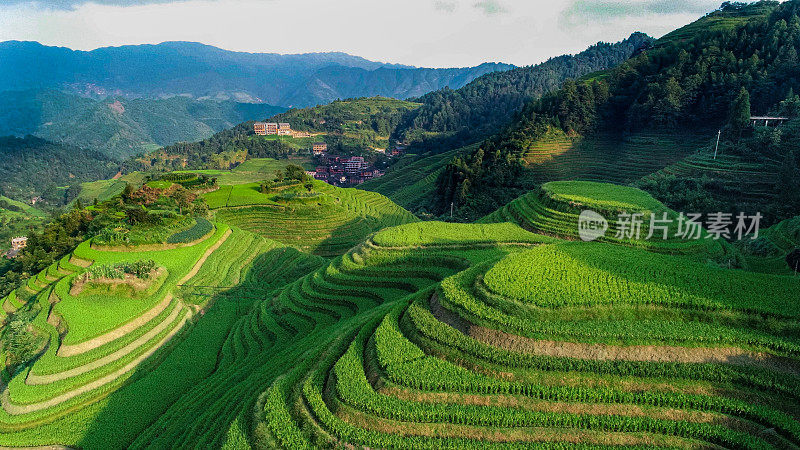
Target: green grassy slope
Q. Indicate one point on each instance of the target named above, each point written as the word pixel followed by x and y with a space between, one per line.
pixel 554 209
pixel 411 181
pixel 717 21
pixel 607 157
pixel 327 222
pixel 252 170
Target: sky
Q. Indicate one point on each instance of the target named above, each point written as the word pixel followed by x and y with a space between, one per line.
pixel 424 33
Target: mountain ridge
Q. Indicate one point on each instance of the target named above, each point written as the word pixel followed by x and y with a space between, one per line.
pixel 204 71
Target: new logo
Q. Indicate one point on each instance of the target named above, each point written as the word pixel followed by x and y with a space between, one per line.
pixel 591 226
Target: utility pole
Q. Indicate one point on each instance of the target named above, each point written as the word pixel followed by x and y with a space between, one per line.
pixel 719 133
pixel 451 210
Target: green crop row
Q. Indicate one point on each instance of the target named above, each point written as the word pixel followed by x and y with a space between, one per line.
pixel 201 228
pixel 353 388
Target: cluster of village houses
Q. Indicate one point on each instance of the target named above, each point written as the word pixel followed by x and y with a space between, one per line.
pixel 335 170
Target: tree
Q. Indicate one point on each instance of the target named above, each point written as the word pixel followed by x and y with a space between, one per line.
pixel 740 111
pixel 790 107
pixel 278 176
pixel 266 186
pixel 136 215
pixel 127 192
pixel 295 172
pixel 309 186
pixel 183 197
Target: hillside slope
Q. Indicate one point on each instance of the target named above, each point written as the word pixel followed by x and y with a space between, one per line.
pixel 452 117
pixel 427 335
pixel 411 181
pixel 348 126
pixel 675 88
pixel 325 221
pixel 31 167
pixel 116 126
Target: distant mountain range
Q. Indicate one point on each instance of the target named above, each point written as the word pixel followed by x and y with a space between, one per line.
pixel 206 72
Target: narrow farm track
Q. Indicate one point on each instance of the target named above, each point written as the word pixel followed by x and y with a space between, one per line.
pixel 202 260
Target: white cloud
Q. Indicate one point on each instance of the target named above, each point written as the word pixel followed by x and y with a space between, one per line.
pixel 433 33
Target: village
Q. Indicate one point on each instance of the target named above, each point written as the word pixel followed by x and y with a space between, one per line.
pixel 336 170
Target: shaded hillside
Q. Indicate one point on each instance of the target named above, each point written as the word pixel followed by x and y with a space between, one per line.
pixel 202 71
pixel 452 117
pixel 411 182
pixel 711 78
pixel 31 166
pixel 117 126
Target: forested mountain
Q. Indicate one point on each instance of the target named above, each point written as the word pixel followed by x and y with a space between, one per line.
pixel 479 108
pixel 379 114
pixel 713 74
pixel 117 126
pixel 346 125
pixel 202 71
pixel 484 105
pixel 31 166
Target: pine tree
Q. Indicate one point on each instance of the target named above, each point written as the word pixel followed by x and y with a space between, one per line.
pixel 740 111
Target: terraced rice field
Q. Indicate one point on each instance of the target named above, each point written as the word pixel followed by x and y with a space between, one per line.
pixel 85 361
pixel 554 210
pixel 423 335
pixel 328 226
pixel 740 179
pixel 779 240
pixel 96 342
pixel 607 158
pixel 445 368
pixel 251 171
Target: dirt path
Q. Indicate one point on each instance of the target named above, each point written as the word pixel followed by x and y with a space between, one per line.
pixel 25 409
pixel 7 306
pixel 34 379
pixel 83 347
pixel 456 246
pixel 646 353
pixel 80 262
pixel 205 256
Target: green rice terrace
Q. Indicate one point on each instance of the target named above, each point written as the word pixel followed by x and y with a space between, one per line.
pixel 300 315
pixel 324 220
pixel 555 208
pixel 607 157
